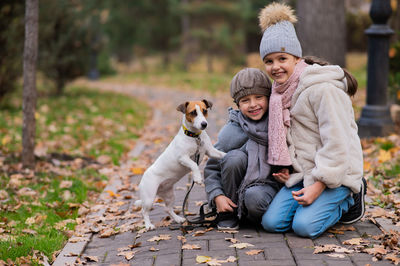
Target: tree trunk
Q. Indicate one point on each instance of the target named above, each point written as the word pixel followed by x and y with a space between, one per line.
pixel 29 90
pixel 321 29
pixel 186 39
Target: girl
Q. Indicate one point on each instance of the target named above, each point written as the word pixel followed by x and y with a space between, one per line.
pixel 312 128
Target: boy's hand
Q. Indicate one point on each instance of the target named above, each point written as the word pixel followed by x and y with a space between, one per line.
pixel 282 176
pixel 224 204
pixel 309 194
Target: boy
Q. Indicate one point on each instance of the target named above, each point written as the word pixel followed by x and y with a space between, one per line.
pixel 240 184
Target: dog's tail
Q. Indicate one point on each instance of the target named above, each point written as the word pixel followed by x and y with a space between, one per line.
pixel 138 203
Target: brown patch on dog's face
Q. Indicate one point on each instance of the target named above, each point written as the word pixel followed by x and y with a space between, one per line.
pixel 189 109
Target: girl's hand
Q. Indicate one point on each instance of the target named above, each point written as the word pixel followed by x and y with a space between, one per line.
pixel 309 194
pixel 224 204
pixel 282 176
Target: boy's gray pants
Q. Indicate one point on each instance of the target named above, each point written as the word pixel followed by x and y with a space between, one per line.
pixel 256 198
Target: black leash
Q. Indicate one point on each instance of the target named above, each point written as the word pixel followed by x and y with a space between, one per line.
pixel 203 218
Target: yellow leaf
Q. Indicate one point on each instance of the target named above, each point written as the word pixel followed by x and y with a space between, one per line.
pixel 137 170
pixel 384 156
pixel 6 139
pixel 202 259
pixel 353 241
pixel 37 115
pixel 398 95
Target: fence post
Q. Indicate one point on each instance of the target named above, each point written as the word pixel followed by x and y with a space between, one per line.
pixel 375 117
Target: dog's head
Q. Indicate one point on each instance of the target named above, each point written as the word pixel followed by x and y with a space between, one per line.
pixel 196 112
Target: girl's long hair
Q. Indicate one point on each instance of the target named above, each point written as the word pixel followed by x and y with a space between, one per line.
pixel 352 83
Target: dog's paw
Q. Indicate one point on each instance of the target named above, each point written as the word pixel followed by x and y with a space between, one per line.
pixel 179 219
pixel 150 227
pixel 198 181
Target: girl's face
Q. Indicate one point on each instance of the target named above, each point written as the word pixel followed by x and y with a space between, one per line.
pixel 254 106
pixel 280 66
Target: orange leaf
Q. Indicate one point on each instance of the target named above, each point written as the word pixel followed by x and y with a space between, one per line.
pixel 137 170
pixel 112 194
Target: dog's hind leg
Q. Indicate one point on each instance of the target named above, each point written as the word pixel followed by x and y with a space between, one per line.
pixel 167 194
pixel 147 197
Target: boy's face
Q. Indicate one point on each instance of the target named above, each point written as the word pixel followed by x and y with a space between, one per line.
pixel 254 106
pixel 280 66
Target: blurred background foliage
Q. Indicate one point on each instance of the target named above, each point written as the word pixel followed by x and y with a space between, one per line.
pixel 103 37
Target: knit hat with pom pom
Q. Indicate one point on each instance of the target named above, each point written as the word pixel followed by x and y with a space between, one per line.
pixel 279 35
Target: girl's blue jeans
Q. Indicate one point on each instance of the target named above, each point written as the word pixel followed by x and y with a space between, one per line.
pixel 285 213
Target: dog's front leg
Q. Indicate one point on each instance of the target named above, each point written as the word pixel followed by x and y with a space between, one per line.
pixel 211 151
pixel 186 161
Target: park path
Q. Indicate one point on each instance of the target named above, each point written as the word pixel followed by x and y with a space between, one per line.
pixel 273 249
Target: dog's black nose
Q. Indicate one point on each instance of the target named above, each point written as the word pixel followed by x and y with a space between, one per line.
pixel 203 124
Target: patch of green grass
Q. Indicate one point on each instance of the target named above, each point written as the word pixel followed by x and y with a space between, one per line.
pixel 81 123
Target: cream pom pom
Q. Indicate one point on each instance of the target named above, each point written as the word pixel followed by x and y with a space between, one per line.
pixel 274 13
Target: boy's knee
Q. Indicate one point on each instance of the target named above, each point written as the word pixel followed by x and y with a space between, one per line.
pixel 234 159
pixel 255 202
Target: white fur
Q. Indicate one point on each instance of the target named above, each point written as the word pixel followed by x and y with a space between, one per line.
pixel 176 161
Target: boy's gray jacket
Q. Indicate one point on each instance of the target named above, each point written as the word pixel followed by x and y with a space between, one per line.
pixel 322 139
pixel 230 137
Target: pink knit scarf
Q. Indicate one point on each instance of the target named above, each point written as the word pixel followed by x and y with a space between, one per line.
pixel 279 117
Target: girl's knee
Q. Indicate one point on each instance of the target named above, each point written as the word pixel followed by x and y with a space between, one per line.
pixel 271 223
pixel 303 227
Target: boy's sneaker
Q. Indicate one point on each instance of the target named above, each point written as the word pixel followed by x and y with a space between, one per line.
pixel 227 221
pixel 356 212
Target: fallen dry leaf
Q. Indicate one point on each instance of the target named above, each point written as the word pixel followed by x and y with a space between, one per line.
pixel 199 233
pixel 376 250
pixel 112 194
pixel 355 241
pixel 241 245
pixel 78 239
pixel 393 258
pixel 191 246
pixel 233 240
pixel 202 259
pixel 91 258
pixel 66 184
pixel 29 231
pixel 159 238
pixel 254 252
pixel 336 255
pixel 127 254
pixel 137 170
pixel 153 249
pixel 182 239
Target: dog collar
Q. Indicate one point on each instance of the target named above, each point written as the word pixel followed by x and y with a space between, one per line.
pixel 190 133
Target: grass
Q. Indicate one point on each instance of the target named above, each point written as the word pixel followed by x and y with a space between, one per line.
pixel 79 126
pixel 203 81
pixel 81 123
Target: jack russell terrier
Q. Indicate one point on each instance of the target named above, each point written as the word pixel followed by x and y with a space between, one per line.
pixel 181 156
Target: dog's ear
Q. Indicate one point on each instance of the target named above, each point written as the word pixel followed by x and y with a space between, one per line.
pixel 207 103
pixel 182 107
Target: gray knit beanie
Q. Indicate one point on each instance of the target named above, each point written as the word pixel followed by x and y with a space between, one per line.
pixel 279 35
pixel 250 81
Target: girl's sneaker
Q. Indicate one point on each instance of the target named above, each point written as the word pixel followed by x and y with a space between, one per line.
pixel 356 212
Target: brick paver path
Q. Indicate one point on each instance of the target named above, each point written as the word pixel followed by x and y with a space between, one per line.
pixel 277 249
